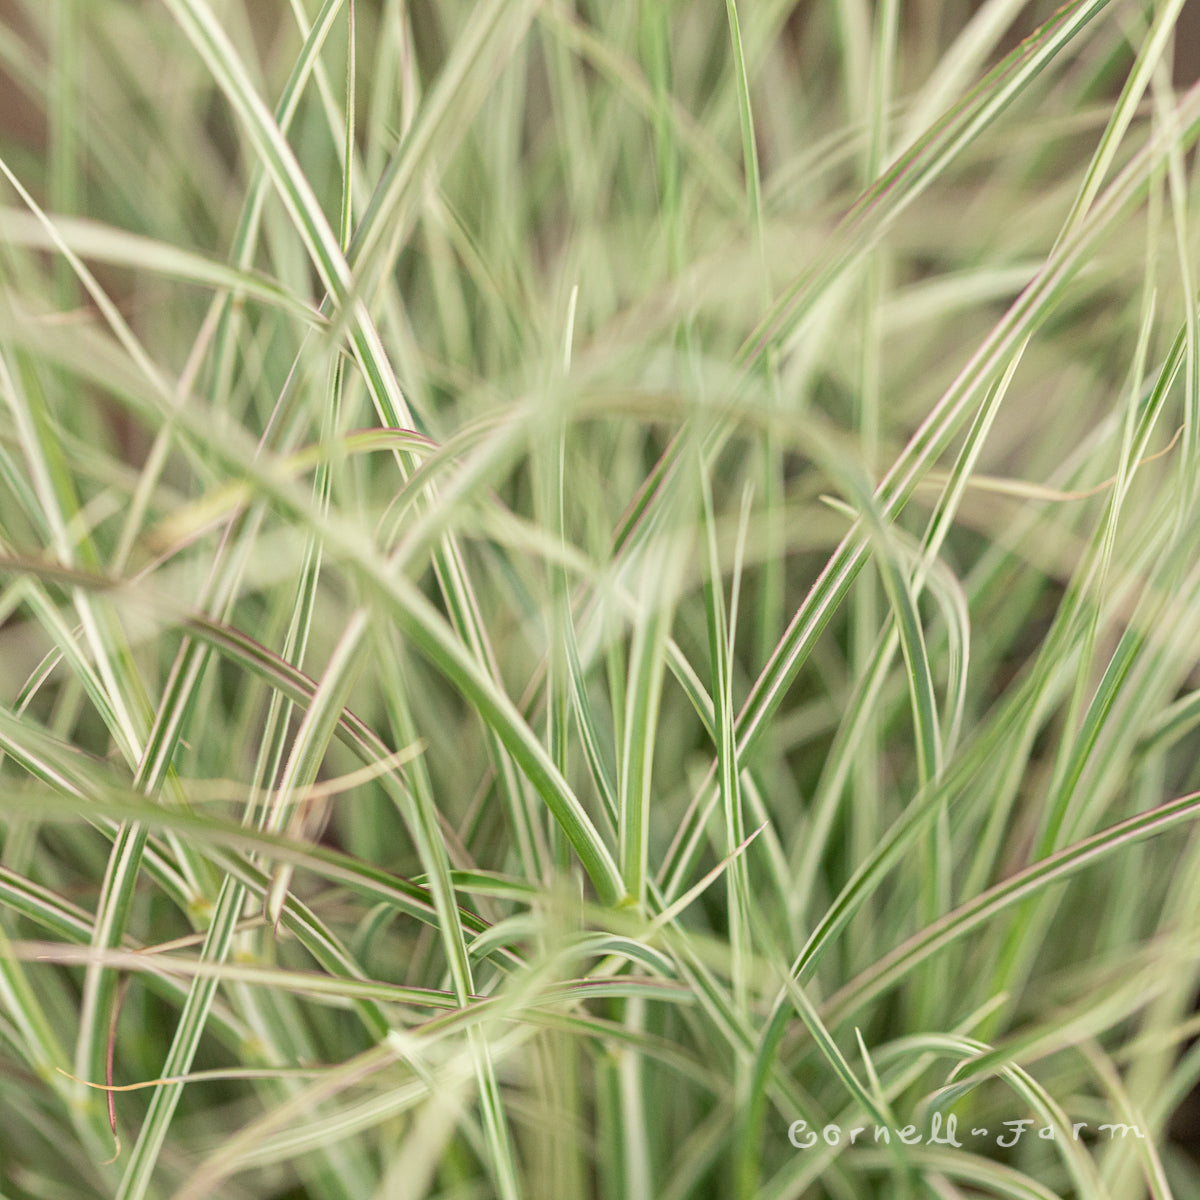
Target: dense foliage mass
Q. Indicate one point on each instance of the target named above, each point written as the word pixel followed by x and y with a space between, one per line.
pixel 598 599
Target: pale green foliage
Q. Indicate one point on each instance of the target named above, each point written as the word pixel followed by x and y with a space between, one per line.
pixel 582 584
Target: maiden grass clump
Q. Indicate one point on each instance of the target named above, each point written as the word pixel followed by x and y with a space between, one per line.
pixel 596 597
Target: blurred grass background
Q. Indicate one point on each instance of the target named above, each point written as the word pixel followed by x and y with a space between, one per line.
pixel 583 583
